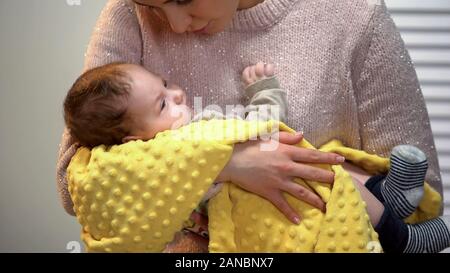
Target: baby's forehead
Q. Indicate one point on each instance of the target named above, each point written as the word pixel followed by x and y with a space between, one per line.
pixel 130 68
pixel 145 86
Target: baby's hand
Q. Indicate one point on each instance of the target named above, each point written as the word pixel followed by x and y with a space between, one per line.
pixel 188 242
pixel 257 72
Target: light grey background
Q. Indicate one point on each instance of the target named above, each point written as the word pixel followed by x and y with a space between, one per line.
pixel 42 49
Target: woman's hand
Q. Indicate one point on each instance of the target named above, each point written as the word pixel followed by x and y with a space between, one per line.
pixel 269 173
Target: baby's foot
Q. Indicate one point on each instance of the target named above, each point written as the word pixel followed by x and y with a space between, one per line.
pixel 403 188
pixel 257 72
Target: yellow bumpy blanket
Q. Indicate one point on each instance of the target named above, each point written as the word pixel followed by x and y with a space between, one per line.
pixel 134 197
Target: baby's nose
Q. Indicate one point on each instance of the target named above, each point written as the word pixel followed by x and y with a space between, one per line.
pixel 179 97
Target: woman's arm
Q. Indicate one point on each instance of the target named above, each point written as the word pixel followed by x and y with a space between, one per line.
pixel 67 149
pixel 390 103
pixel 116 37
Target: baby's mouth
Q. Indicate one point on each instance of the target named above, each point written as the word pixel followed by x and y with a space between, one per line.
pixel 184 118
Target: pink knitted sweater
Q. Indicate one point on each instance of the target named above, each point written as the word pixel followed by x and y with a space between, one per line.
pixel 343 64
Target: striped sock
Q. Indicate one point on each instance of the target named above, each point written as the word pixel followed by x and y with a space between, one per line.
pixel 431 236
pixel 403 188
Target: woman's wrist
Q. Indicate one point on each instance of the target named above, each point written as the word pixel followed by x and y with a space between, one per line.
pixel 224 175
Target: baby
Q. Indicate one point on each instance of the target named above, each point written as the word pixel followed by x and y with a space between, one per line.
pixel 119 102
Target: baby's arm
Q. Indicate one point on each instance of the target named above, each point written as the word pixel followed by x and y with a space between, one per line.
pixel 267 99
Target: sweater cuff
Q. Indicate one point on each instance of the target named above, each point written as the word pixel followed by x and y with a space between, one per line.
pixel 269 83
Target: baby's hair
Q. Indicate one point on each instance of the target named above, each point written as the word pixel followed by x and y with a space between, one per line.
pixel 95 109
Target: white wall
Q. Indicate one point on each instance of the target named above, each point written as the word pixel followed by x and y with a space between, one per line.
pixel 41 52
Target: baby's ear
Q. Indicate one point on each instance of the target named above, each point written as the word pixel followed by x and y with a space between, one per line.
pixel 130 138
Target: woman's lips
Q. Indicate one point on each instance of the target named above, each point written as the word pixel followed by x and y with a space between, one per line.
pixel 202 30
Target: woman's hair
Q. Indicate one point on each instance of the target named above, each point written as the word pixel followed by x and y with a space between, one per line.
pixel 96 106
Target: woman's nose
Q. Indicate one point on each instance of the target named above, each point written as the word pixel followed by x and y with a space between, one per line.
pixel 179 19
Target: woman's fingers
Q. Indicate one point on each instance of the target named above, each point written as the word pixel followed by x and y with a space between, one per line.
pixel 309 173
pixel 280 202
pixel 302 193
pixel 289 139
pixel 304 155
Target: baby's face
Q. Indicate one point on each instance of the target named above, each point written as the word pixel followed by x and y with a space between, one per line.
pixel 154 105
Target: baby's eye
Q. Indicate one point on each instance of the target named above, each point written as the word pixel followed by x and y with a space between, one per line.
pixel 165 83
pixel 163 104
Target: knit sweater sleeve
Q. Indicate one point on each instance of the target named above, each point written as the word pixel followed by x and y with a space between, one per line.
pixel 116 37
pixel 391 107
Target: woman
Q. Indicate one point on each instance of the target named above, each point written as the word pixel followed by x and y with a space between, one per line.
pixel 343 64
